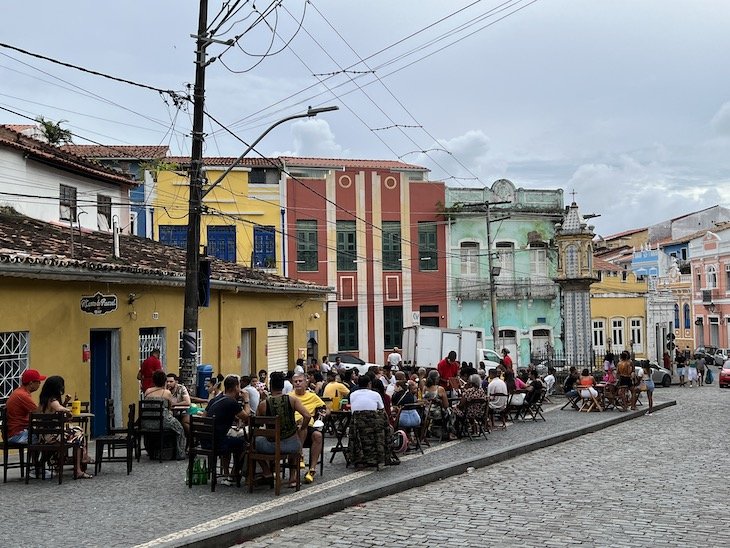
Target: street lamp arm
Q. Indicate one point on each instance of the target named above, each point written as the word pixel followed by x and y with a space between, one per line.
pixel 311 112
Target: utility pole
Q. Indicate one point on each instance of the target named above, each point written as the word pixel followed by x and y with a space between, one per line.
pixel 189 356
pixel 492 285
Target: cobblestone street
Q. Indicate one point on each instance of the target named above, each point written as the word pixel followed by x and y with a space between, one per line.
pixel 653 481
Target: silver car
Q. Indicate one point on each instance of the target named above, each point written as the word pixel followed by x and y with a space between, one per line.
pixel 659 374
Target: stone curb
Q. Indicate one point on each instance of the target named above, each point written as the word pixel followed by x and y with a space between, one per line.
pixel 279 518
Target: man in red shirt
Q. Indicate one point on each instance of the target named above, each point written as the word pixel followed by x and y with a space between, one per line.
pixel 149 366
pixel 507 360
pixel 448 368
pixel 20 405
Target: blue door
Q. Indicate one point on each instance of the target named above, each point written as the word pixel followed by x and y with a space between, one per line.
pixel 222 242
pixel 264 247
pixel 101 355
pixel 176 235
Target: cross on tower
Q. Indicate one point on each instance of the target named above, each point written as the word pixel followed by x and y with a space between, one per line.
pixel 573 193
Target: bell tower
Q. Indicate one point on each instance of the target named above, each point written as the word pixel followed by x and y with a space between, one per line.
pixel 574 240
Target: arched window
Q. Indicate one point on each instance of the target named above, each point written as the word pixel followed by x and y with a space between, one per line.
pixel 676 316
pixel 506 251
pixel 711 277
pixel 469 259
pixel 687 317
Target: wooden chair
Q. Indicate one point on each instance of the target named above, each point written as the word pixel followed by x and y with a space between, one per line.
pixel 46 439
pixel 270 428
pixel 8 446
pixel 203 443
pixel 111 427
pixel 117 438
pixel 474 422
pixel 83 422
pixel 534 407
pixel 151 429
pixel 589 402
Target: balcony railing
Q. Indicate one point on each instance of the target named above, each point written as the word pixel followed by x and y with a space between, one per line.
pixel 507 289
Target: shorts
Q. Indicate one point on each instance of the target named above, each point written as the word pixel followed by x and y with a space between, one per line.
pixel 625 381
pixel 286 446
pixel 310 432
pixel 230 444
pixel 649 385
pixel 681 371
pixel 20 437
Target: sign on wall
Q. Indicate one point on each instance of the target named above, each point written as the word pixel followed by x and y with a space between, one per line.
pixel 98 304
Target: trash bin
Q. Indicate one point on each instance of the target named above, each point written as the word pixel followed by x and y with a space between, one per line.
pixel 204 372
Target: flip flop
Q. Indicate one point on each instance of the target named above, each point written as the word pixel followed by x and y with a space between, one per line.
pixel 84 475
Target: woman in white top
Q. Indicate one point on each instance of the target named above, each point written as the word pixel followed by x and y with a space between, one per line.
pixel 365 399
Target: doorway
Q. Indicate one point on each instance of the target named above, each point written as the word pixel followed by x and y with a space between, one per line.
pixel 105 378
pixel 248 352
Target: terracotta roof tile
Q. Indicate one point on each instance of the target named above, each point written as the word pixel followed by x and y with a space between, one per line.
pixel 225 161
pixel 59 158
pixel 605 266
pixel 348 163
pixel 34 242
pixel 131 152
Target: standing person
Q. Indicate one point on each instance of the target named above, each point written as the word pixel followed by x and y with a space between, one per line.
pixel 692 369
pixel 701 364
pixel 395 359
pixel 681 367
pixel 649 384
pixel 447 369
pixel 148 367
pixel 667 361
pixel 310 436
pixel 325 365
pixel 507 359
pixel 20 405
pixel 625 371
pixel 610 369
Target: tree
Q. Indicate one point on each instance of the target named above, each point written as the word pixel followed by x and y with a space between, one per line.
pixel 54 133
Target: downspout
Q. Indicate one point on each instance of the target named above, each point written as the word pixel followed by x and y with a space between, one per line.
pixel 220 323
pixel 283 242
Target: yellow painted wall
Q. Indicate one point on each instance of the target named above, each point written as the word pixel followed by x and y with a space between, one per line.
pixel 242 205
pixel 50 312
pixel 613 298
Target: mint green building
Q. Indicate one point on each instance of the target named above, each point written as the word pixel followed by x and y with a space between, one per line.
pixel 508 232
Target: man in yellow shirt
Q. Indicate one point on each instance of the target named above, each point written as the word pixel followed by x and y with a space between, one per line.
pixel 335 391
pixel 311 436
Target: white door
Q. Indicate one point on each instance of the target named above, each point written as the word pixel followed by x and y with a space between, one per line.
pixel 247 342
pixel 277 351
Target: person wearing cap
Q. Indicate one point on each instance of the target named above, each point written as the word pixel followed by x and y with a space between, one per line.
pixel 20 405
pixel 148 367
pixel 395 359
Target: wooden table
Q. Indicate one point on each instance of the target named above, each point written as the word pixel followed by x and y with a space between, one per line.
pixel 339 423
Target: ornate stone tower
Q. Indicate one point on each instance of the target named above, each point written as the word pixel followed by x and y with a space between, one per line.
pixel 574 240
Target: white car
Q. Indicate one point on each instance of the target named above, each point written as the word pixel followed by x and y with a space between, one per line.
pixel 489 357
pixel 348 361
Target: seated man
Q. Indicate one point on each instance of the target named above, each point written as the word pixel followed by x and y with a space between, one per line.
pixel 569 384
pixel 20 405
pixel 180 396
pixel 497 396
pixel 311 436
pixel 227 411
pixel 335 391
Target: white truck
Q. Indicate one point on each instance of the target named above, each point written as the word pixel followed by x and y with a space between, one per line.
pixel 425 346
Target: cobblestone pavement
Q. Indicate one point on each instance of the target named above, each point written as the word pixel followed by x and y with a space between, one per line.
pixel 653 481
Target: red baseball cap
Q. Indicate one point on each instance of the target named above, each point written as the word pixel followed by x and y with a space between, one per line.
pixel 31 375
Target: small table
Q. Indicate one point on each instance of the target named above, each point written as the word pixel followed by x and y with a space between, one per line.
pixel 83 420
pixel 340 422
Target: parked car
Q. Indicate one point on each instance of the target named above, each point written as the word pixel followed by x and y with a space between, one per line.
pixel 724 378
pixel 707 352
pixel 720 357
pixel 351 362
pixel 659 374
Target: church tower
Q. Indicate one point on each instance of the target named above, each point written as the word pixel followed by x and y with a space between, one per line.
pixel 574 240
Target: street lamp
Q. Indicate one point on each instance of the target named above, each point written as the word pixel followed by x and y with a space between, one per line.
pixel 192 260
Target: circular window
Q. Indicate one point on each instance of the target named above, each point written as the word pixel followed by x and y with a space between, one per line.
pixel 345 181
pixel 390 182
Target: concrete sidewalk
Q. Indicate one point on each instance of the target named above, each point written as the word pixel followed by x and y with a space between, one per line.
pixel 154 507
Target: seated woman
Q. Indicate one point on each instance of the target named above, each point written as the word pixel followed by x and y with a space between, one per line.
pixel 169 422
pixel 440 409
pixel 473 391
pixel 50 402
pixel 408 419
pixel 586 383
pixel 282 406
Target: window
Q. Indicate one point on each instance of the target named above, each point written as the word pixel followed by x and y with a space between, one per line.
pixel 617 332
pixel 429 309
pixel 391 245
pixel 598 334
pixel 676 316
pixel 727 278
pixel 222 242
pixel 67 199
pixel 711 277
pixel 347 328
pixel 176 235
pixel 636 337
pixel 103 212
pixel 428 246
pixel 307 246
pixel 506 252
pixel 393 317
pixel 13 360
pixel 469 259
pixel 346 245
pixel 687 317
pixel 538 259
pixel 264 247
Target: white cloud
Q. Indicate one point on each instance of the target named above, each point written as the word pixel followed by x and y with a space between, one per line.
pixel 315 138
pixel 471 149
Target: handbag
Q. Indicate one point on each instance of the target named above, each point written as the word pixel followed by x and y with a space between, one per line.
pixel 709 377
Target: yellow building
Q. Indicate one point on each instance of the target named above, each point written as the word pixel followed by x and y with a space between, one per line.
pixel 241 219
pixel 618 310
pixel 92 319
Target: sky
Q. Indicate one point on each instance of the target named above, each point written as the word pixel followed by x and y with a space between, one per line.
pixel 624 102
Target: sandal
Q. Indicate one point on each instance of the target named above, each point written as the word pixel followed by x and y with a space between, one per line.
pixel 309 477
pixel 84 475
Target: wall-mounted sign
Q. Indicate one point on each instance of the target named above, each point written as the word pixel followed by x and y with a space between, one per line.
pixel 99 304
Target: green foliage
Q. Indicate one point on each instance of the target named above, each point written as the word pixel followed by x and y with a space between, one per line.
pixel 54 133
